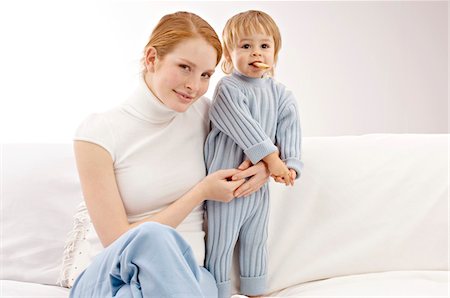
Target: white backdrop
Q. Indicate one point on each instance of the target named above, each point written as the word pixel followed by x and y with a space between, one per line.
pixel 355 67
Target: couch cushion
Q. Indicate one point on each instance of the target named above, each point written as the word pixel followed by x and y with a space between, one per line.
pixel 384 284
pixel 18 289
pixel 364 204
pixel 40 191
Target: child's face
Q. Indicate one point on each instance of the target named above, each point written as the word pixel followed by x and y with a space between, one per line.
pixel 250 49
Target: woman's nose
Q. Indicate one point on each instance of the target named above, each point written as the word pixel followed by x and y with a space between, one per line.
pixel 192 84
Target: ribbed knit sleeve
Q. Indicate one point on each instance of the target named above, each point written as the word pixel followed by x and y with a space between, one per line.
pixel 288 134
pixel 231 115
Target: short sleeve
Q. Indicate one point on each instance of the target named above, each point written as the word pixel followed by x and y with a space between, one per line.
pixel 96 129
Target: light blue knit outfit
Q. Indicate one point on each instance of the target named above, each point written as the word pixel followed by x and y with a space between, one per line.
pixel 248 116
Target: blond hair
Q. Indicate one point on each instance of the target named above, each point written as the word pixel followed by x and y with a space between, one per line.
pixel 177 27
pixel 248 23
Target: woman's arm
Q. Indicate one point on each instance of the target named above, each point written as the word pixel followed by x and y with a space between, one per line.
pixel 214 186
pixel 100 192
pixel 105 205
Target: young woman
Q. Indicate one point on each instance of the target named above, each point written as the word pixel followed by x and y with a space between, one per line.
pixel 142 172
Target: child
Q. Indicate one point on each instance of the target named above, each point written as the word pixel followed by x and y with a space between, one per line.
pixel 252 117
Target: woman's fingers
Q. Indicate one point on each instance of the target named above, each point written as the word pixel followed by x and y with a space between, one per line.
pixel 227 173
pixel 255 182
pixel 258 175
pixel 229 188
pixel 244 165
pixel 244 190
pixel 246 172
pixel 236 184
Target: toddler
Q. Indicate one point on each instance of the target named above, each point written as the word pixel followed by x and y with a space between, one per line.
pixel 252 117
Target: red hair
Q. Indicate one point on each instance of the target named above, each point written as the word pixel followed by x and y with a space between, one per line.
pixel 176 27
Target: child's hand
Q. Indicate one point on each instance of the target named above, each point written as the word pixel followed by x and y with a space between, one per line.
pixel 292 173
pixel 279 170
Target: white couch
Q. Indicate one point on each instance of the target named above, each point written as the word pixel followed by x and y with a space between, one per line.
pixel 368 218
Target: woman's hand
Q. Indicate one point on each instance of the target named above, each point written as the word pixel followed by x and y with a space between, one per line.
pixel 259 174
pixel 218 186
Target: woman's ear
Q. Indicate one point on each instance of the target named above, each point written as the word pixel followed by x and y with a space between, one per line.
pixel 151 56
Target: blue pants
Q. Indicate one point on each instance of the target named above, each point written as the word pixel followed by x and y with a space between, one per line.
pixel 151 260
pixel 246 219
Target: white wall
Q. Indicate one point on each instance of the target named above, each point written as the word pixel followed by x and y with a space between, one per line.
pixel 356 67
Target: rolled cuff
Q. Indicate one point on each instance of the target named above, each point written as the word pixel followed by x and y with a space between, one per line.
pixel 261 150
pixel 253 286
pixel 295 164
pixel 224 289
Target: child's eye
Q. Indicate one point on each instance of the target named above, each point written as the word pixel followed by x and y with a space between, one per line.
pixel 184 67
pixel 246 46
pixel 265 46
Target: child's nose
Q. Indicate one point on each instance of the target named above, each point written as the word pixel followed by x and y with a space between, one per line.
pixel 256 53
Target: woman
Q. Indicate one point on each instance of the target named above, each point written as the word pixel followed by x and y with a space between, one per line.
pixel 142 172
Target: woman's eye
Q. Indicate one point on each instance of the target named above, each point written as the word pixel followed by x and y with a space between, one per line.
pixel 185 67
pixel 206 75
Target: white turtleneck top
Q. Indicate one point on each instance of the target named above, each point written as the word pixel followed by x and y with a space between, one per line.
pixel 157 155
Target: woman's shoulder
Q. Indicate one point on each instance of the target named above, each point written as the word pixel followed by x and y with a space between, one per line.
pixel 201 107
pixel 203 102
pixel 95 122
pixel 96 128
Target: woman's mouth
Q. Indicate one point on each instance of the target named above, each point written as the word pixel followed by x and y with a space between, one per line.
pixel 184 97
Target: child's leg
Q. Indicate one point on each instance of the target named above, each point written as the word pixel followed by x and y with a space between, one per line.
pixel 253 249
pixel 224 222
pixel 151 260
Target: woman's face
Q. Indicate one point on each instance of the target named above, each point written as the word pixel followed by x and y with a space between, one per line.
pixel 182 76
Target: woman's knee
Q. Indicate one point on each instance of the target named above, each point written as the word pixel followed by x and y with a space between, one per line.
pixel 153 234
pixel 152 227
pixel 152 230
